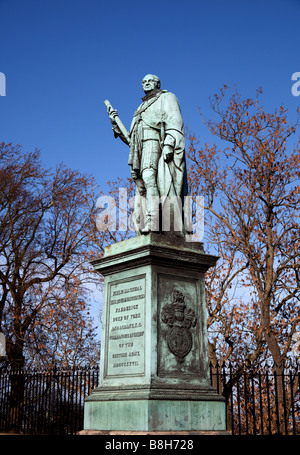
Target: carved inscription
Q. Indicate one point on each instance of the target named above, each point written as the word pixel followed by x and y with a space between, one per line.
pixel 126 328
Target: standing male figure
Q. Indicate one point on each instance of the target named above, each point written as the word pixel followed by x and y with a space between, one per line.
pixel 157 155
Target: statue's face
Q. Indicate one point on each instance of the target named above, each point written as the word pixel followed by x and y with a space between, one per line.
pixel 149 83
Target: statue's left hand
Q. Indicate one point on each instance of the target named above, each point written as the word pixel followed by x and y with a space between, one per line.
pixel 168 153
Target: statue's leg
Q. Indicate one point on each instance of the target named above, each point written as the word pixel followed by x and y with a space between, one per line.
pixel 140 203
pixel 152 197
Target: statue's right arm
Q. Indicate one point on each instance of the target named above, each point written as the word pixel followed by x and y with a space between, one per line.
pixel 118 133
pixel 117 126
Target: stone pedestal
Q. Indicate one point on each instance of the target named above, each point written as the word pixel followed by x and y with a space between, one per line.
pixel 154 373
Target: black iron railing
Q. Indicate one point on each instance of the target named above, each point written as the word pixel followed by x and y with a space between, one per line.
pixel 52 402
pixel 260 402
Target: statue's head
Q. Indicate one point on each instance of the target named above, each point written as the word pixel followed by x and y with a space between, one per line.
pixel 150 82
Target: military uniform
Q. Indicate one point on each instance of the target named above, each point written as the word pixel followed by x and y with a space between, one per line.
pixel 156 123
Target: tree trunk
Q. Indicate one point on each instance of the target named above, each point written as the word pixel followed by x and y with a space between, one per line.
pixel 17 382
pixel 17 385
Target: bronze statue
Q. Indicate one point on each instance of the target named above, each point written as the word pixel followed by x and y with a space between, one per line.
pixel 156 157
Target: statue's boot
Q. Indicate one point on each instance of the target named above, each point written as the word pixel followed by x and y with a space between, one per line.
pixel 152 222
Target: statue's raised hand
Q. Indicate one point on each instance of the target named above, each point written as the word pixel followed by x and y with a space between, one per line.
pixel 113 113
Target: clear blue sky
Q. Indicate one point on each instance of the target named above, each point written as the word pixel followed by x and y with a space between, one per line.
pixel 63 58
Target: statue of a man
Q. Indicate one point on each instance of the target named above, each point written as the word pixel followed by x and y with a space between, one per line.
pixel 157 153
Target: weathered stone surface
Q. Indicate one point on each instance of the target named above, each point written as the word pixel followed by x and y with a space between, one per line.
pixel 153 433
pixel 156 415
pixel 154 370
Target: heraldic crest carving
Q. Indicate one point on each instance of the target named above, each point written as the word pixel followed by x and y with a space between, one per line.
pixel 180 320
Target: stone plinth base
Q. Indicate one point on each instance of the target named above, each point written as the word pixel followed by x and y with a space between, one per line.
pixel 154 374
pixel 155 415
pixel 152 433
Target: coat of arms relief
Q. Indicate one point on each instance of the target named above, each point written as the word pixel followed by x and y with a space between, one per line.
pixel 180 320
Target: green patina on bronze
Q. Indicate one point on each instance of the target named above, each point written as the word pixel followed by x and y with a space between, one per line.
pixel 147 382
